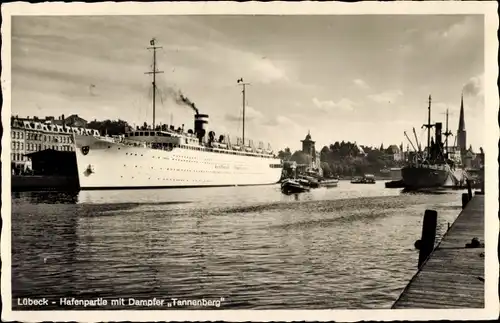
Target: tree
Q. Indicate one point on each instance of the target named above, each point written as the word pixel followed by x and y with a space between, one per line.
pixel 285 155
pixel 301 158
pixel 345 149
pixel 110 127
pixel 327 171
pixel 325 154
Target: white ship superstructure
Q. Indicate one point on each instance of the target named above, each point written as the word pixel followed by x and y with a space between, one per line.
pixel 161 156
pixel 150 159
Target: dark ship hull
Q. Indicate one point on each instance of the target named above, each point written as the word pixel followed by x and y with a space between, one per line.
pixel 416 177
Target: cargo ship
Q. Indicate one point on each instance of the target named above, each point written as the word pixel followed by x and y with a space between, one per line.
pixel 431 168
pixel 165 157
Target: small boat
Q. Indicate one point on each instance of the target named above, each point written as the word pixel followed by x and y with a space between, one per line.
pixel 291 186
pixel 329 183
pixel 366 179
pixel 357 180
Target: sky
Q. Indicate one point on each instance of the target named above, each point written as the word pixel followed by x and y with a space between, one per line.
pixel 362 78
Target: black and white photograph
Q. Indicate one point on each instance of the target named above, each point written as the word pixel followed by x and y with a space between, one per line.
pixel 201 161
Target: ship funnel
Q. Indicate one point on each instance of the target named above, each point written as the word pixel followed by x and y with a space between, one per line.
pixel 200 120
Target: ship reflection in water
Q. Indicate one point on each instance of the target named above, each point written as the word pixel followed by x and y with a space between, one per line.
pixel 347 247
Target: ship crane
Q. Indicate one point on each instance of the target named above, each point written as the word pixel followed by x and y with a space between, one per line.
pixel 416 140
pixel 411 143
pixel 447 133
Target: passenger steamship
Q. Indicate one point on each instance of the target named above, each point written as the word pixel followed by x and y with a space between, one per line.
pixel 167 157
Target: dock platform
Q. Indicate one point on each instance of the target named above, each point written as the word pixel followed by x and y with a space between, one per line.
pixel 453 275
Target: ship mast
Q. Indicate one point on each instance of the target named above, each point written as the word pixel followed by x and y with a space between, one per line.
pixel 428 126
pixel 243 84
pixel 152 42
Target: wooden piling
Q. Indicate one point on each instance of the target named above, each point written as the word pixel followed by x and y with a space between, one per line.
pixel 469 189
pixel 465 200
pixel 428 236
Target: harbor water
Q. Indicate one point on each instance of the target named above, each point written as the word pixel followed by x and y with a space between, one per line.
pixel 348 247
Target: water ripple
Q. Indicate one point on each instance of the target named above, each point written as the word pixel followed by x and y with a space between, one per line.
pixel 347 247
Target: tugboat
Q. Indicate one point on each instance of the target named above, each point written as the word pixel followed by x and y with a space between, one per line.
pixel 291 186
pixel 309 181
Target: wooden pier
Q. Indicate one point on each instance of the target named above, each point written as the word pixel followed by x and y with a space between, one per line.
pixel 453 274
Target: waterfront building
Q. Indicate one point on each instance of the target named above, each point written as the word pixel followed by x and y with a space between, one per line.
pixel 309 148
pixel 307 159
pixel 29 135
pixel 454 154
pixel 473 160
pixel 395 152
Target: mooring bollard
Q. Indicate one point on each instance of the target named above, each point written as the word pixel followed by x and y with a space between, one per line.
pixel 465 200
pixel 428 236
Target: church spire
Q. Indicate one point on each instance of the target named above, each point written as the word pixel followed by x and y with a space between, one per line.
pixel 461 122
pixel 461 133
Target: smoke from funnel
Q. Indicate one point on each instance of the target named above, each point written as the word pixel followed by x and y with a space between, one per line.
pixel 181 99
pixel 177 96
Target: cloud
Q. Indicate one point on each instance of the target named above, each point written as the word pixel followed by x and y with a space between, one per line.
pixel 462 29
pixel 343 104
pixel 387 96
pixel 362 84
pixel 251 114
pixel 268 70
pixel 254 67
pixel 474 86
pixel 280 120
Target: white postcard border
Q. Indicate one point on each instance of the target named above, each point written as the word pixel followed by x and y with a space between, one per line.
pixel 488 8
